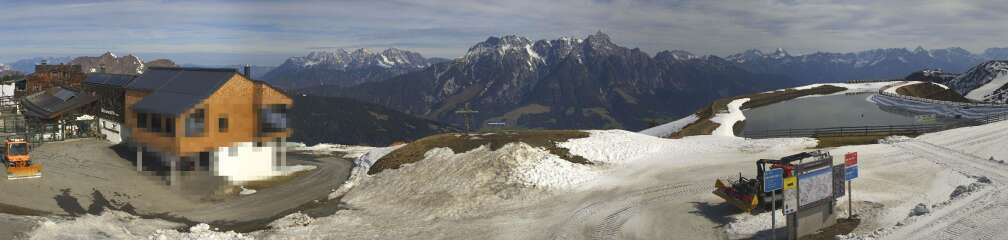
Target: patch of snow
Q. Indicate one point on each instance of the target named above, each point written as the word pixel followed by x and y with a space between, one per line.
pixel 667 129
pixel 985 91
pixel 892 89
pixel 361 166
pixel 728 120
pixel 201 231
pixel 614 146
pixel 108 225
pixel 351 151
pixel 246 191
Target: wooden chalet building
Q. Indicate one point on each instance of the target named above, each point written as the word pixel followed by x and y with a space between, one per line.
pixel 186 114
pixel 110 89
pixel 48 76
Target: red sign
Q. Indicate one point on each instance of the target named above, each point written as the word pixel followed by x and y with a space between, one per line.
pixel 850 159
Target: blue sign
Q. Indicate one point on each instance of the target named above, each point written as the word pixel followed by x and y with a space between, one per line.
pixel 773 180
pixel 850 172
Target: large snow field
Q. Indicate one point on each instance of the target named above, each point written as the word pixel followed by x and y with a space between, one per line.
pixel 985 91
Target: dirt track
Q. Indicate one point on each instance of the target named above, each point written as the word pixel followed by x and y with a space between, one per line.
pixel 83 176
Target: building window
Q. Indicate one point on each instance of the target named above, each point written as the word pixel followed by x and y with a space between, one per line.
pixel 141 120
pixel 170 126
pixel 222 124
pixel 196 123
pixel 273 118
pixel 155 122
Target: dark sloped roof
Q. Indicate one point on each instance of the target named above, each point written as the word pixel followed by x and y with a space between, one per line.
pixel 166 103
pixel 176 89
pixel 116 80
pixel 55 101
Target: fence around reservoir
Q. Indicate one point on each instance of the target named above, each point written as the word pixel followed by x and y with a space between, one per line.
pixel 847 131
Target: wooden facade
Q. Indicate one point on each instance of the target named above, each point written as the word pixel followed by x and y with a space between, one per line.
pixel 232 113
pixel 48 76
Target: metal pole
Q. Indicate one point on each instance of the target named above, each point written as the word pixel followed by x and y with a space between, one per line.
pixel 850 201
pixel 773 215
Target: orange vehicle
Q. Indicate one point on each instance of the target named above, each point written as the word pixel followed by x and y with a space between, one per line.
pixel 18 161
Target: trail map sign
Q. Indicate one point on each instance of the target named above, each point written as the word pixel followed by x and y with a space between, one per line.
pixel 815 185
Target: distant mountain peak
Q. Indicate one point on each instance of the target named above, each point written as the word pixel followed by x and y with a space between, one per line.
pixel 345 67
pixel 780 53
pixel 678 55
pixel 342 58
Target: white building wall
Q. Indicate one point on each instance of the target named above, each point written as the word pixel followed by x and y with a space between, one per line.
pixel 111 129
pixel 245 162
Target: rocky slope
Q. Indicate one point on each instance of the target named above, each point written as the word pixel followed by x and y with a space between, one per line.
pixel 564 83
pixel 342 68
pixel 986 82
pixel 128 64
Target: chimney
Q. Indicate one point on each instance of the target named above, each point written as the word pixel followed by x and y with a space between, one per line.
pixel 248 71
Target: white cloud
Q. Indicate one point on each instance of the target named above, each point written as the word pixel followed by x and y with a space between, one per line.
pixel 447 28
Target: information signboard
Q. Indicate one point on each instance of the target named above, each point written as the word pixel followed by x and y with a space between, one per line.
pixel 850 166
pixel 773 180
pixel 815 185
pixel 839 176
pixel 790 200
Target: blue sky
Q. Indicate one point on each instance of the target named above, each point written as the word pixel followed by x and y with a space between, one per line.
pixel 266 32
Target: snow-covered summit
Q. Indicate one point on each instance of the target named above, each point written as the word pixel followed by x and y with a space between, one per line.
pixel 985 82
pixel 359 58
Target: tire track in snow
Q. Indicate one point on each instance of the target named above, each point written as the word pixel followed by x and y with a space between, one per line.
pixel 975 217
pixel 620 209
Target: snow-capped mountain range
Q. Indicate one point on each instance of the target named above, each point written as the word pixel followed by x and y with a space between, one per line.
pixel 568 82
pixel 987 82
pixel 342 67
pixel 871 64
pixel 129 64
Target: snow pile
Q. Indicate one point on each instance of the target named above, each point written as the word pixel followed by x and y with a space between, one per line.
pixel 667 129
pixel 448 184
pixel 614 146
pixel 109 225
pixel 361 166
pixel 201 231
pixel 728 120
